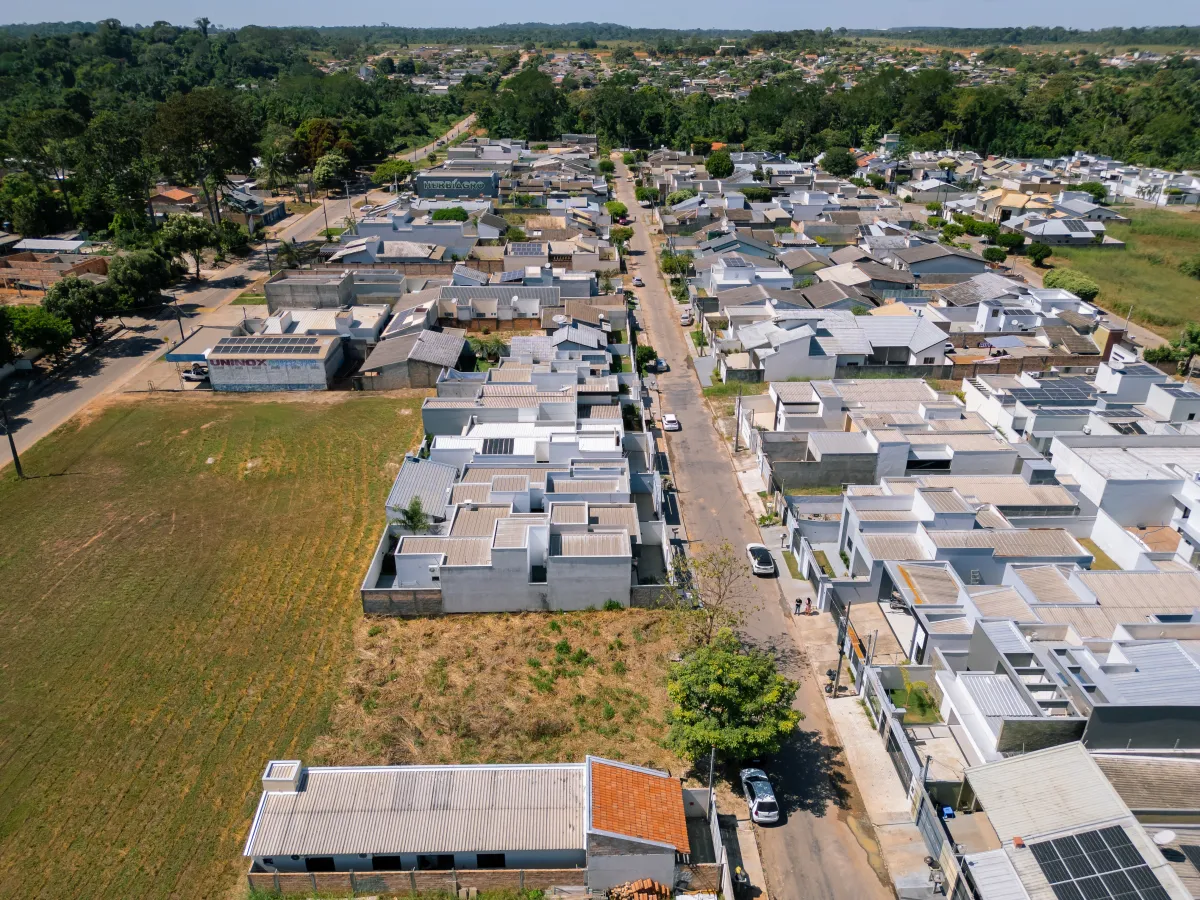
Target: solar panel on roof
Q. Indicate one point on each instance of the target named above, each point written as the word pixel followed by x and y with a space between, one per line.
pixel 1075 226
pixel 526 249
pixel 1097 865
pixel 1192 852
pixel 514 275
pixel 736 262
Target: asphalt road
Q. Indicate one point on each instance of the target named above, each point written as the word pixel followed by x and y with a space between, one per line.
pixel 824 848
pixel 43 407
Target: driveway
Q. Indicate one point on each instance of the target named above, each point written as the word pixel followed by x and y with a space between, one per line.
pixel 825 848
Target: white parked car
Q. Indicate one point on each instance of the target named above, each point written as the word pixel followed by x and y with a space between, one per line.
pixel 761 560
pixel 685 317
pixel 760 796
pixel 637 281
pixel 948 348
pixel 670 423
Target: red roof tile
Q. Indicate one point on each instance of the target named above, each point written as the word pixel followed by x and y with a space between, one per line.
pixel 638 803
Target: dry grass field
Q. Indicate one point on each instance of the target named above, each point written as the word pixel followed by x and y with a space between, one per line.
pixel 178 594
pixel 533 687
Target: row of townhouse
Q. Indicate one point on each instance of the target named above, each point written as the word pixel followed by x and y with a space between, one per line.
pixel 540 488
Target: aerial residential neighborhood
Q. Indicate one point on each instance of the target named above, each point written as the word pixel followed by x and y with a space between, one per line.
pixel 600 461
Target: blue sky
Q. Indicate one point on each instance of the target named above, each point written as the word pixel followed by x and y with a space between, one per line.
pixel 757 14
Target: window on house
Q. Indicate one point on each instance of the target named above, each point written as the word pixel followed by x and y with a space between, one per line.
pixel 318 864
pixel 489 860
pixel 442 862
pixel 928 361
pixel 1191 416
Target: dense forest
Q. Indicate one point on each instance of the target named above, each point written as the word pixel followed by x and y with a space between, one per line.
pixel 89 120
pixel 1151 115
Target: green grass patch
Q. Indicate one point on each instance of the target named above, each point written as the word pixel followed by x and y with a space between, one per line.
pixel 793 564
pixel 1102 562
pixel 250 298
pixel 823 562
pixel 1145 275
pixel 733 388
pixel 816 490
pixel 332 232
pixel 172 614
pixel 919 705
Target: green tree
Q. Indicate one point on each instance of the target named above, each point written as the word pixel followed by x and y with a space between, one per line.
pixel 138 276
pixel 629 159
pixel 935 206
pixel 184 236
pixel 616 209
pixel 1069 280
pixel 839 162
pixel 620 236
pixel 331 169
pixel 995 254
pixel 8 351
pixel 30 205
pixel 450 214
pixel 680 195
pixel 272 165
pixel 34 328
pixel 606 166
pixel 1011 241
pixel 414 518
pixel 877 180
pixel 726 696
pixel 646 194
pixel 392 170
pixel 1183 350
pixel 719 164
pixel 1097 189
pixel 233 238
pixel 79 303
pixel 755 194
pixel 1038 252
pixel 645 356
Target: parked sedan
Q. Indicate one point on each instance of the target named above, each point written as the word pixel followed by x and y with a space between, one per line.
pixel 637 281
pixel 760 797
pixel 761 560
pixel 670 423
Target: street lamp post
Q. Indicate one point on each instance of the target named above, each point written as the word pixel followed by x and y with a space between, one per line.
pixel 178 317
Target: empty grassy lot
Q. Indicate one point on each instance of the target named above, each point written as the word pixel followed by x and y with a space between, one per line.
pixel 532 687
pixel 1145 275
pixel 177 603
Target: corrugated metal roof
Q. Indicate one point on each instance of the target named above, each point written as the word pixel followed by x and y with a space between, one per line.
pixel 1046 791
pixel 841 442
pixel 1153 782
pixel 605 544
pixel 510 483
pixel 945 501
pixel 886 389
pixel 619 515
pixel 1006 637
pixel 513 532
pixel 894 546
pixel 424 478
pixel 478 522
pixel 1013 542
pixel 994 876
pixel 996 696
pixel 1149 590
pixel 586 486
pixel 465 493
pixel 990 517
pixel 463 551
pixel 485 474
pixel 932 585
pixel 568 513
pixel 1049 585
pixel 424 809
pixel 1164 674
pixel 1003 491
pixel 1003 603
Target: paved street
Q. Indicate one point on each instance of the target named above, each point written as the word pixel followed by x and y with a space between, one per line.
pixel 825 848
pixel 36 412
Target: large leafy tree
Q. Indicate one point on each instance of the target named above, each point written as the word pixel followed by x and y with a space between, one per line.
pixel 839 161
pixel 184 236
pixel 203 136
pixel 726 696
pixel 719 164
pixel 34 328
pixel 1183 350
pixel 80 303
pixel 138 276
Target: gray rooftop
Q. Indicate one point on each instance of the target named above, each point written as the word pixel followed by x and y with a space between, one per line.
pixel 424 478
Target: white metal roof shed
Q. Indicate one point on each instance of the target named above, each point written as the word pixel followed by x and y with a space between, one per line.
pixel 418 809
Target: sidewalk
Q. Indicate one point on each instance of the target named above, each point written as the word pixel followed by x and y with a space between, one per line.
pixel 751 862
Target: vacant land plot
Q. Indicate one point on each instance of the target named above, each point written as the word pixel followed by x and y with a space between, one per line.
pixel 176 607
pixel 1145 276
pixel 534 687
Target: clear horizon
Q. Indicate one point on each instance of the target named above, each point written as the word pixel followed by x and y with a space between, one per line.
pixel 773 15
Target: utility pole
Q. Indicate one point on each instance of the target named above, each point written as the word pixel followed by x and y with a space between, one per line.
pixel 267 248
pixel 712 765
pixel 843 630
pixel 12 445
pixel 349 209
pixel 737 419
pixel 178 317
pixel 325 213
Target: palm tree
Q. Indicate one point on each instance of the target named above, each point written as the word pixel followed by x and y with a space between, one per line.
pixel 202 23
pixel 271 166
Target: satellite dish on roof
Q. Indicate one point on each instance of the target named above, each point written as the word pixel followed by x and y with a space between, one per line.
pixel 1163 838
pixel 561 320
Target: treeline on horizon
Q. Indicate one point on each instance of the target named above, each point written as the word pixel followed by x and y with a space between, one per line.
pixel 572 32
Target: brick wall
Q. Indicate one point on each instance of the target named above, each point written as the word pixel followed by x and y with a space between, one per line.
pixel 305 883
pixel 406 604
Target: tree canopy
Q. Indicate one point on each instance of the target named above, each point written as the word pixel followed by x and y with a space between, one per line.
pixel 726 696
